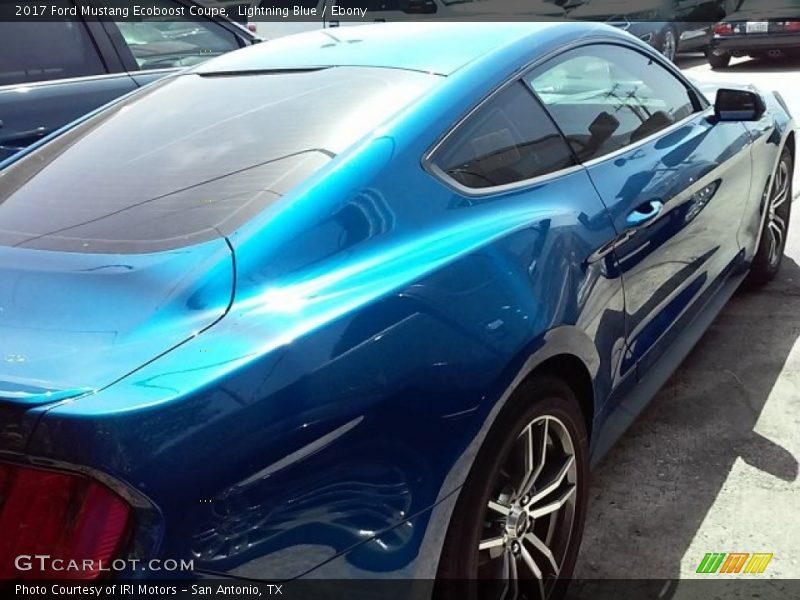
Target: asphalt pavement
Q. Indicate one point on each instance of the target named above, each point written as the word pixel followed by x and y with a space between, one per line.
pixel 712 463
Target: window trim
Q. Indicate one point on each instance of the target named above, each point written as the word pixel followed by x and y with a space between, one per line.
pixel 701 105
pixel 64 81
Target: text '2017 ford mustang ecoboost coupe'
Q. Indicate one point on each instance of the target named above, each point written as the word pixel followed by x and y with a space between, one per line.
pixel 372 304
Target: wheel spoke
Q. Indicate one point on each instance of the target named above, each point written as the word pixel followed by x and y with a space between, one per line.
pixel 530 459
pixel 780 186
pixel 554 505
pixel 773 245
pixel 512 576
pixel 779 199
pixel 499 508
pixel 488 543
pixel 535 453
pixel 556 481
pixel 533 568
pixel 778 220
pixel 777 237
pixel 543 550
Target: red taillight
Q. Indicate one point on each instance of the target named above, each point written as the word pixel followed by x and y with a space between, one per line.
pixel 723 29
pixel 791 26
pixel 63 516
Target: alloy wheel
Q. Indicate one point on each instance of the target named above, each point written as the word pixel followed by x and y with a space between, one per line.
pixel 669 46
pixel 529 518
pixel 777 212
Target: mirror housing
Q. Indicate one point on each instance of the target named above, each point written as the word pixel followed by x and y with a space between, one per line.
pixel 738 105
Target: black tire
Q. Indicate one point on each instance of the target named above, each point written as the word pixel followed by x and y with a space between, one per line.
pixel 543 400
pixel 767 260
pixel 718 59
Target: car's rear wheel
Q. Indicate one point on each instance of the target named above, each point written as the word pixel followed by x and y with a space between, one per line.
pixel 517 526
pixel 669 43
pixel 718 59
pixel 769 255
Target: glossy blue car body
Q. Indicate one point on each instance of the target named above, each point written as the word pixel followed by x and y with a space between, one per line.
pixel 305 394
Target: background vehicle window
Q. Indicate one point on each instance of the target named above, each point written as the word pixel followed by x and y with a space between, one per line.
pixel 509 139
pixel 606 97
pixel 43 51
pixel 164 42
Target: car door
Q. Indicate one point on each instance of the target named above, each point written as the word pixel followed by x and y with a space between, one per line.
pixel 52 72
pixel 509 156
pixel 675 183
pixel 151 47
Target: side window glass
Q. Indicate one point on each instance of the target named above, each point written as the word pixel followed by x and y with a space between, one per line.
pixel 44 51
pixel 509 139
pixel 606 97
pixel 169 41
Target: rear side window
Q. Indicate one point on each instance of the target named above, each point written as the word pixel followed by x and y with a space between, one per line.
pixel 43 51
pixel 509 139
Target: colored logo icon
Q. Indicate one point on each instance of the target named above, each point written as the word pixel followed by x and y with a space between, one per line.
pixel 734 562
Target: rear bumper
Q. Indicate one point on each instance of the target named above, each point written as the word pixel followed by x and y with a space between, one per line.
pixel 757 43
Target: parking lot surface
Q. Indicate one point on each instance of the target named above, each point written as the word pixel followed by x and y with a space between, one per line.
pixel 712 463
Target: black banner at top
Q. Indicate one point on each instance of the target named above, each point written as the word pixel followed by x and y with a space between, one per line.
pixel 331 12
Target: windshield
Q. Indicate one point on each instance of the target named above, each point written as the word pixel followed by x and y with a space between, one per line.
pixel 192 157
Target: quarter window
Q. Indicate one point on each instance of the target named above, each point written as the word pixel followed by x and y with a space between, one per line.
pixel 509 139
pixel 606 97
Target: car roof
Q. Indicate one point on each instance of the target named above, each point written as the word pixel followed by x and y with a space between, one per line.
pixel 440 48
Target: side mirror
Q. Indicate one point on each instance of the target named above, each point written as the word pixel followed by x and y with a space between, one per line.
pixel 738 105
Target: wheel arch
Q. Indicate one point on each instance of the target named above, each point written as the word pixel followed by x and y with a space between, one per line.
pixel 566 352
pixel 574 373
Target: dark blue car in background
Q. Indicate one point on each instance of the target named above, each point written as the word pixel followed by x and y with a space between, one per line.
pixel 52 72
pixel 373 306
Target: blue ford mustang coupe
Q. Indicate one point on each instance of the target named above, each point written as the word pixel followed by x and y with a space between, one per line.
pixel 366 303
